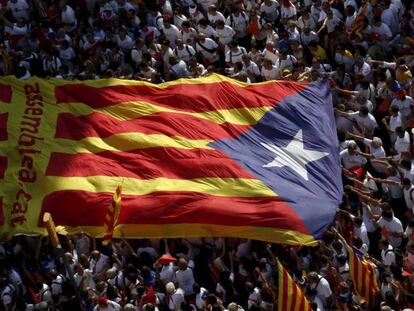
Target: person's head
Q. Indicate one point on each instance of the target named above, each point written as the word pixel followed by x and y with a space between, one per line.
pixel 201 37
pixel 170 288
pixel 406 182
pixel 182 264
pixel 96 255
pixel 399 131
pixel 249 287
pixel 363 111
pixel 212 9
pixel 401 94
pixel 383 244
pixel 358 222
pixel 387 214
pixel 376 142
pixel 233 306
pixel 246 59
pixel 352 148
pixel 377 21
pixel 312 277
pixel 394 110
pixel 220 24
pixel 103 302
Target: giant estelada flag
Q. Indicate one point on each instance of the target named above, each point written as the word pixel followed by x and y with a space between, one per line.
pixel 201 157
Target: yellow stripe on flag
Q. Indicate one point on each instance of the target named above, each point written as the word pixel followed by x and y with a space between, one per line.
pixel 237 187
pixel 133 110
pixel 126 142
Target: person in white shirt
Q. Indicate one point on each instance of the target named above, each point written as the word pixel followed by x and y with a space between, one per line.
pixel 390 16
pixel 391 228
pixel 270 9
pixel 19 9
pixel 269 71
pixel 174 297
pixel 387 252
pixel 376 151
pixel 188 34
pixel 183 51
pixel 207 48
pixel 402 142
pixel 238 21
pixel 250 68
pixel 205 28
pixel 255 297
pixel 365 123
pixel 185 278
pixel 68 17
pixel 360 230
pixel 306 20
pixel 224 32
pixel 214 16
pixel 104 304
pixel 170 31
pixel 404 103
pixel 382 31
pixel 235 53
pixel 408 190
pixel 7 295
pixel 98 262
pixel 307 36
pixel 321 285
pixel 351 158
pixel 392 122
pixel 178 68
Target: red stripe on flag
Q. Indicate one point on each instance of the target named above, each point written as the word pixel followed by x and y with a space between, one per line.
pixel 5 93
pixel 302 301
pixel 356 272
pixel 294 296
pixel 3 166
pixel 147 163
pixel 364 289
pixel 186 97
pixel 3 126
pixel 285 290
pixel 173 207
pixel 170 124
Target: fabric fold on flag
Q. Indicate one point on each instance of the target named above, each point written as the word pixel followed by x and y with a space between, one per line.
pixel 290 295
pixel 363 274
pixel 112 215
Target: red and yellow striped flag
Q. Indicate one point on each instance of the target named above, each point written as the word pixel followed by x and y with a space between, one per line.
pixel 290 295
pixel 364 276
pixel 359 20
pixel 112 215
pixel 176 149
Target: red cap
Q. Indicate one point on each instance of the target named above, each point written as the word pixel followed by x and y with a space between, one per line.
pixel 103 301
pixel 166 259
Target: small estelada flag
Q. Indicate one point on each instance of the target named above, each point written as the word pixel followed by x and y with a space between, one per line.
pixel 112 215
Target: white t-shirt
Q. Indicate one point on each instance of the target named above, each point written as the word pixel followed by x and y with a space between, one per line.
pixel 323 288
pixel 402 144
pixel 98 266
pixel 388 256
pixel 20 9
pixel 214 18
pixel 270 74
pixel 377 153
pixel 225 35
pixel 176 299
pixel 235 56
pixel 271 11
pixel 392 226
pixel 172 33
pixel 112 306
pixel 208 44
pixel 404 105
pixel 69 19
pixel 185 280
pixel 409 197
pixel 349 161
pixel 368 122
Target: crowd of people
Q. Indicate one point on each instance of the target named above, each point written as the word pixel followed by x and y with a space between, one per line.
pixel 365 48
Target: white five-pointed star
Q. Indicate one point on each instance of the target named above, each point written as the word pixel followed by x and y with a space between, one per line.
pixel 294 155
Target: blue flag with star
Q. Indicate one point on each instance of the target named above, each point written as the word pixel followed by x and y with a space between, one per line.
pixel 294 150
